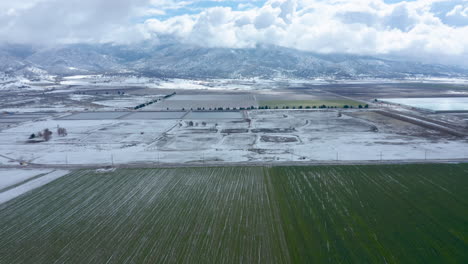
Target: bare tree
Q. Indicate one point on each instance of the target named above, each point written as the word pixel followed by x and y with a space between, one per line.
pixel 46 134
pixel 61 131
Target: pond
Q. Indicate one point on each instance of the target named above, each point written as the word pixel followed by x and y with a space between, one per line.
pixel 435 104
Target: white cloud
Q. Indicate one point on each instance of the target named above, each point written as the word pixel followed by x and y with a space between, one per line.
pixel 426 29
pixel 57 21
pixel 353 26
pixel 265 19
pixel 458 15
pixel 169 4
pixel 151 12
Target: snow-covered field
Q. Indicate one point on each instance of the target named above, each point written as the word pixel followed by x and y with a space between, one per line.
pixel 53 108
pixel 127 101
pixel 234 84
pixel 10 178
pixel 274 135
pixel 41 82
pixel 179 84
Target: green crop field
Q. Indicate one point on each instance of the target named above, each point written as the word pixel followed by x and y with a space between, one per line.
pixel 320 214
pixel 311 103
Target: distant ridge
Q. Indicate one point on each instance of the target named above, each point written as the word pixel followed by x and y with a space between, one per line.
pixel 188 61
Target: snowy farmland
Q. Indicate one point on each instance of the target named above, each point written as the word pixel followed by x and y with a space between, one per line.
pixel 15 182
pixel 168 171
pixel 10 177
pixel 321 214
pixel 434 104
pixel 106 138
pixel 205 101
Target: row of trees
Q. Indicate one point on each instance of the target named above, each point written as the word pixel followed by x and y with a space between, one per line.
pixel 169 95
pixel 46 134
pixel 276 107
pixel 191 123
pixel 310 107
pixel 145 104
pixel 107 92
pixel 214 108
pixel 154 101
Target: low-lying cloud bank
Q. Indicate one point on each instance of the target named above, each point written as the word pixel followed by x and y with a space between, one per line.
pixel 428 30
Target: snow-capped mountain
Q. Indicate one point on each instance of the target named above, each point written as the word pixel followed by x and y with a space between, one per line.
pixel 76 59
pixel 189 61
pixel 271 61
pixel 16 71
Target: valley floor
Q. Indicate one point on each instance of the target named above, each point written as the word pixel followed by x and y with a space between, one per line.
pixel 184 126
pixel 257 136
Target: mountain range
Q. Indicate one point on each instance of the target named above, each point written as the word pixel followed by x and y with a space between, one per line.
pixel 175 60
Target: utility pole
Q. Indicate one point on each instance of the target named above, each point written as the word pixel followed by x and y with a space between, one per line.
pixel 336 156
pixel 112 159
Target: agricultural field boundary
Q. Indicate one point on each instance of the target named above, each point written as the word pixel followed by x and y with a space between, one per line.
pixel 30 185
pixel 156 164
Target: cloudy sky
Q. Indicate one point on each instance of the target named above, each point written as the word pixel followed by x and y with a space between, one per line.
pixel 425 29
